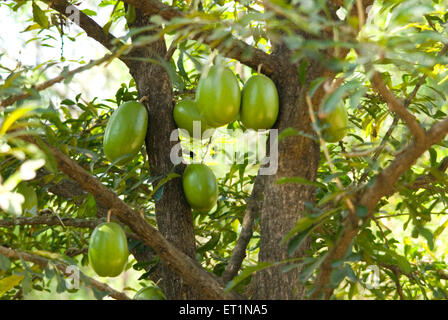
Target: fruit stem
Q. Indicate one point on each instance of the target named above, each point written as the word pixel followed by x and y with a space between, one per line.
pixel 206 151
pixel 259 68
pixel 109 213
pixel 144 98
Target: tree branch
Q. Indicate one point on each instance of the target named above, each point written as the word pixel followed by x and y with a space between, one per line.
pixel 51 220
pixel 44 85
pixel 369 198
pixel 91 28
pixel 238 50
pixel 43 262
pixel 239 252
pixel 425 180
pixel 54 220
pixel 407 102
pixel 181 263
pixel 398 107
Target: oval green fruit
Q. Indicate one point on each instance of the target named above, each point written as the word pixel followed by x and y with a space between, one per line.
pixel 259 104
pixel 151 292
pixel 108 249
pixel 185 113
pixel 218 96
pixel 125 132
pixel 200 187
pixel 30 196
pixel 335 124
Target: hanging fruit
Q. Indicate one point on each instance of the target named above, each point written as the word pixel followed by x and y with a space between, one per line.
pixel 125 132
pixel 185 113
pixel 200 187
pixel 218 96
pixel 259 105
pixel 108 249
pixel 334 124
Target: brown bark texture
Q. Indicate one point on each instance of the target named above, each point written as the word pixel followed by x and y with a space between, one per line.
pixel 174 218
pixel 284 204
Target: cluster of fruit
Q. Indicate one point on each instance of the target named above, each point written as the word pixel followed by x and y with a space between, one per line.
pixel 218 102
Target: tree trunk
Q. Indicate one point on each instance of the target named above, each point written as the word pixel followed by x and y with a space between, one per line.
pixel 174 218
pixel 284 203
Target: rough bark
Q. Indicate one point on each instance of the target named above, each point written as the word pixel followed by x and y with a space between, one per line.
pixel 174 218
pixel 284 203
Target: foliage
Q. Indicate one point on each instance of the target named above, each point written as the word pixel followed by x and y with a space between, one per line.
pixel 406 240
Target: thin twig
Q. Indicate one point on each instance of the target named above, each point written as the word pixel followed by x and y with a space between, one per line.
pixel 361 17
pixel 398 107
pixel 64 75
pixel 239 252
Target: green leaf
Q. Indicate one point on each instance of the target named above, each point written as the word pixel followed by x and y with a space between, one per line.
pixel 338 95
pixel 361 211
pixel 427 234
pixel 315 84
pixel 8 283
pixel 106 27
pixel 49 272
pixel 210 244
pixel 337 275
pixel 433 157
pixel 27 283
pixel 68 102
pixel 308 270
pixel 50 161
pixel 158 194
pixel 160 185
pixel 288 132
pixel 13 117
pixel 61 286
pixel 5 263
pixel 298 240
pixel 88 208
pixel 299 180
pixel 440 229
pixel 301 225
pixel 302 70
pixel 39 16
pixel 89 12
pixel 247 273
pixel 98 293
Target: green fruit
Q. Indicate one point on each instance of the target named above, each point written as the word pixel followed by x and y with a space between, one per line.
pixel 200 187
pixel 125 132
pixel 30 196
pixel 335 124
pixel 185 112
pixel 259 105
pixel 218 96
pixel 151 292
pixel 108 250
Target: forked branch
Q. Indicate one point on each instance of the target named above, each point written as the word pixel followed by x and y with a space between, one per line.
pixel 369 197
